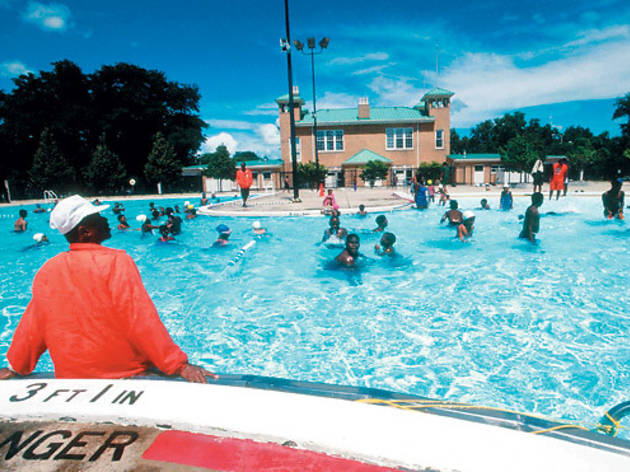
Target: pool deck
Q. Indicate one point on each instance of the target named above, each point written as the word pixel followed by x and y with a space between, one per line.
pixel 375 199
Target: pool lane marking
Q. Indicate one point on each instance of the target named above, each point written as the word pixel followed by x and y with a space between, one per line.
pixel 245 455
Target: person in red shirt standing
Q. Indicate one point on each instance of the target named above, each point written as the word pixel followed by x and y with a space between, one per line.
pixel 244 180
pixel 560 169
pixel 90 310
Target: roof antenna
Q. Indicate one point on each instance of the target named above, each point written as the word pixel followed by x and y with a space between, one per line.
pixel 437 68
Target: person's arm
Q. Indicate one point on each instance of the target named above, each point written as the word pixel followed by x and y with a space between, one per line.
pixel 28 340
pixel 462 232
pixel 444 216
pixel 145 330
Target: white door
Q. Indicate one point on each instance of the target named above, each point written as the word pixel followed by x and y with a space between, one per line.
pixel 478 177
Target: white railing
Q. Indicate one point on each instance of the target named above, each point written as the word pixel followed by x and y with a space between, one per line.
pixel 49 196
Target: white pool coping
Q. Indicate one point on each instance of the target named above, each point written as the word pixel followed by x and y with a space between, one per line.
pixel 370 433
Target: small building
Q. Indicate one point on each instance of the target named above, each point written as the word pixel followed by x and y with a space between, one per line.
pixel 482 169
pixel 401 136
pixel 266 175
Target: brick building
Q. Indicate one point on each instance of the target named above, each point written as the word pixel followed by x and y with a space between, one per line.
pixel 347 138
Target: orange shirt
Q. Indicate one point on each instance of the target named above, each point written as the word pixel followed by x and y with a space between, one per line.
pixel 91 311
pixel 244 179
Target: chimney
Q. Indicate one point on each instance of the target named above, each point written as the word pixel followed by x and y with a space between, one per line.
pixel 296 91
pixel 364 108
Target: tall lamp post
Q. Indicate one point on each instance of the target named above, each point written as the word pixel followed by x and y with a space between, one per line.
pixel 285 44
pixel 323 44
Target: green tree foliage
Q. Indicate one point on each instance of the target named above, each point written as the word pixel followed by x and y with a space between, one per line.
pixel 162 164
pixel 105 171
pixel 307 175
pixel 622 110
pixel 220 165
pixel 430 170
pixel 126 102
pixel 50 169
pixel 374 170
pixel 245 156
pixel 519 154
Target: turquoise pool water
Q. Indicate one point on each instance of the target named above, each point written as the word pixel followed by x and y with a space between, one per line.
pixel 496 322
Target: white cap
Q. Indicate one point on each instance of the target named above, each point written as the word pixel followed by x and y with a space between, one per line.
pixel 70 211
pixel 468 214
pixel 141 218
pixel 38 237
pixel 256 225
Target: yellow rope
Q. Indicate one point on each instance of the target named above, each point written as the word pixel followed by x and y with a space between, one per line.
pixel 419 404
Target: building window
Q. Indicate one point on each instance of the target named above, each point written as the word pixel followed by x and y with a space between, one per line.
pixel 330 140
pixel 399 138
pixel 495 169
pixel 266 175
pixel 298 149
pixel 439 139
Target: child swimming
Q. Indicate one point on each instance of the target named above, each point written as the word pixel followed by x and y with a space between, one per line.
pixel 350 254
pixel 224 234
pixel 531 222
pixel 386 247
pixel 465 228
pixel 454 216
pixel 381 224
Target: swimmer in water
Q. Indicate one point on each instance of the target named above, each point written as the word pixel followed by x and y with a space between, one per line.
pixel 454 216
pixel 165 237
pixel 381 224
pixel 40 240
pixel 386 247
pixel 332 229
pixel 147 227
pixel 258 229
pixel 613 201
pixel 466 227
pixel 224 234
pixel 39 209
pixel 351 253
pixel 20 224
pixel 531 222
pixel 484 204
pixel 362 211
pixel 122 223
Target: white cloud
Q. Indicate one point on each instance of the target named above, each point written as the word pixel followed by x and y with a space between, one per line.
pixel 13 69
pixel 270 134
pixel 395 92
pixel 212 142
pixel 490 84
pixel 231 124
pixel 52 17
pixel 374 56
pixel 264 109
pixel 599 35
pixel 335 100
pixel 370 70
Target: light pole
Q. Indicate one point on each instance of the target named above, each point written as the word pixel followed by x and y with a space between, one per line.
pixel 323 44
pixel 285 43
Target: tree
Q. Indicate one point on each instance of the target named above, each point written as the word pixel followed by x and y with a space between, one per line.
pixel 106 172
pixel 245 156
pixel 622 109
pixel 220 165
pixel 162 164
pixel 519 154
pixel 430 170
pixel 50 170
pixel 374 170
pixel 307 174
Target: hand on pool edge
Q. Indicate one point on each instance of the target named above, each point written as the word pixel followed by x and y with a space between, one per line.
pixel 196 374
pixel 6 374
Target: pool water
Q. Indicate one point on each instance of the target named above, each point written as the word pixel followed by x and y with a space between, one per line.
pixel 497 322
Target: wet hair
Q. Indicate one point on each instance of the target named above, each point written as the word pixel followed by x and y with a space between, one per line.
pixel 155 214
pixel 362 207
pixel 381 220
pixel 616 184
pixel 483 202
pixel 454 204
pixel 332 219
pixel 352 236
pixel 23 213
pixel 169 211
pixel 163 230
pixel 390 238
pixel 120 217
pixel 537 198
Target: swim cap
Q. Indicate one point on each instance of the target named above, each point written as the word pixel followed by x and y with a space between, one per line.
pixel 223 229
pixel 256 225
pixel 186 203
pixel 191 207
pixel 429 182
pixel 468 215
pixel 141 218
pixel 38 237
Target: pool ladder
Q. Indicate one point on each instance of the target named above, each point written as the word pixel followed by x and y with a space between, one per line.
pixel 49 196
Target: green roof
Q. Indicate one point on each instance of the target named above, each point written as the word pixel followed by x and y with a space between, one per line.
pixel 284 99
pixel 261 163
pixel 438 93
pixel 364 156
pixel 339 116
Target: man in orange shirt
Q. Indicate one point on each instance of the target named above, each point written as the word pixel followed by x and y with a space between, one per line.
pixel 91 311
pixel 244 180
pixel 560 169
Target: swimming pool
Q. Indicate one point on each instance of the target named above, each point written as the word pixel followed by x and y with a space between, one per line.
pixel 497 322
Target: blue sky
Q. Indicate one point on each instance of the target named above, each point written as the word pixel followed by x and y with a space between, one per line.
pixel 563 62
